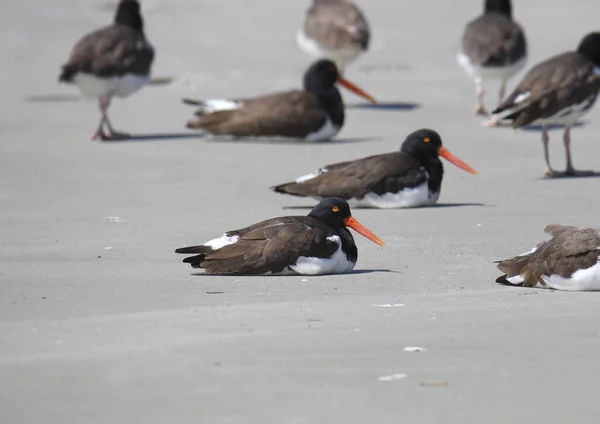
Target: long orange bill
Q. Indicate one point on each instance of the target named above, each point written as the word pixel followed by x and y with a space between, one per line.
pixel 355 89
pixel 445 153
pixel 362 230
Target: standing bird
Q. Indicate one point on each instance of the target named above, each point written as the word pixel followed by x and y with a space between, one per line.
pixel 409 178
pixel 568 261
pixel 315 244
pixel 112 61
pixel 493 46
pixel 314 114
pixel 557 91
pixel 335 30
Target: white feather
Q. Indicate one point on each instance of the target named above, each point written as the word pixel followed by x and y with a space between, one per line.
pixel 220 242
pixel 326 132
pixel 517 279
pixel 492 72
pixel 581 280
pixel 310 176
pixel 597 70
pixel 407 198
pixel 522 96
pixel 214 105
pixel 337 264
pixel 528 252
pixel 340 56
pixel 92 86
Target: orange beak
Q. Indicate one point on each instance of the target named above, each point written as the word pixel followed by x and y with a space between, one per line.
pixel 445 153
pixel 362 230
pixel 355 89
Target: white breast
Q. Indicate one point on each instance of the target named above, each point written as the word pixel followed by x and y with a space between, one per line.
pixel 491 72
pixel 407 198
pixel 326 132
pixel 92 86
pixel 337 264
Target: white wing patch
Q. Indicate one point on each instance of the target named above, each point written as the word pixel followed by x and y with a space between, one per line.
pixel 311 175
pixel 220 242
pixel 521 97
pixel 214 105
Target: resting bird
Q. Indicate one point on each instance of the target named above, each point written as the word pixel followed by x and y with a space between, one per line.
pixel 112 61
pixel 313 114
pixel 568 261
pixel 315 244
pixel 557 91
pixel 411 177
pixel 493 47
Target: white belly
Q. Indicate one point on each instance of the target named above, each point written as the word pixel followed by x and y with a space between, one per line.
pixel 407 198
pixel 340 56
pixel 337 264
pixel 92 87
pixel 569 115
pixel 326 132
pixel 485 72
pixel 581 280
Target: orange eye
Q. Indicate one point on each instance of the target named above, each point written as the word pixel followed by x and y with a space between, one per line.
pixel 426 139
pixel 335 208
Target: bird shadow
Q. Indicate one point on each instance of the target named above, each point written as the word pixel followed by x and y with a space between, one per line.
pixel 538 128
pixel 592 174
pixel 384 106
pixel 438 205
pixel 288 141
pixel 153 137
pixel 355 272
pixel 456 205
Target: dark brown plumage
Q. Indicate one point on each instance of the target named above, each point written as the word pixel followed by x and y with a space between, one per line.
pixel 315 244
pixel 293 113
pixel 315 113
pixel 380 181
pixel 554 262
pixel 556 91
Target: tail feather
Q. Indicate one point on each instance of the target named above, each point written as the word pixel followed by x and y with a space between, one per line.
pixel 194 261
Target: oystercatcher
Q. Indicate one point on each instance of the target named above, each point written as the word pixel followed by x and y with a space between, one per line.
pixel 335 30
pixel 315 244
pixel 493 47
pixel 557 91
pixel 112 61
pixel 313 114
pixel 409 178
pixel 568 261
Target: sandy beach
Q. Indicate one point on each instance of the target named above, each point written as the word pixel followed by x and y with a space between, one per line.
pixel 100 322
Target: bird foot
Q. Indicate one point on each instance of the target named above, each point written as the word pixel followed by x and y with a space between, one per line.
pixel 99 135
pixel 551 173
pixel 494 122
pixel 480 111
